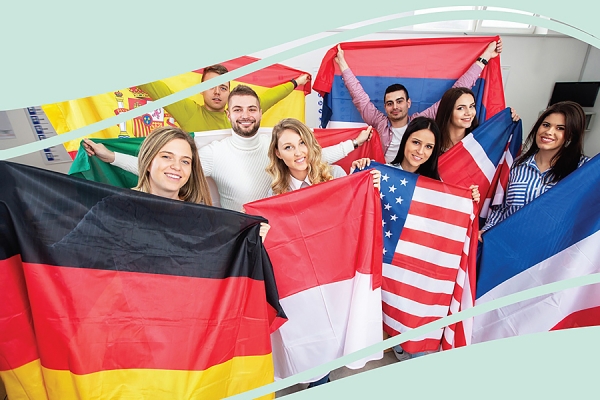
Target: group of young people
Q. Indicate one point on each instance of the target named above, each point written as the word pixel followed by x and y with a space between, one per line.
pixel 247 166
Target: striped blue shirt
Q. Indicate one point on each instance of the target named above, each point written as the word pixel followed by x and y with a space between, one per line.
pixel 525 183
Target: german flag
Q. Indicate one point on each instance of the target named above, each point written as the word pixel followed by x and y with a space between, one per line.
pixel 112 293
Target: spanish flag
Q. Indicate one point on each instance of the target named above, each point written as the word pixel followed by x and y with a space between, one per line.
pixel 112 293
pixel 73 114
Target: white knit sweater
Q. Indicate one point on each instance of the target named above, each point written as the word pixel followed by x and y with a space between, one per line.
pixel 237 165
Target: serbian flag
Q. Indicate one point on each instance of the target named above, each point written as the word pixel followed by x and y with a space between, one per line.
pixel 73 114
pixel 370 149
pixel 426 225
pixel 482 158
pixel 553 238
pixel 426 67
pixel 325 246
pixel 112 293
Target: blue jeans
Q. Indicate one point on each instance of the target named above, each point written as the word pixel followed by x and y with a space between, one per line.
pixel 399 349
pixel 321 381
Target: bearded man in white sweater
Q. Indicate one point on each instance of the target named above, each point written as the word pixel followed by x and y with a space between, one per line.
pixel 237 163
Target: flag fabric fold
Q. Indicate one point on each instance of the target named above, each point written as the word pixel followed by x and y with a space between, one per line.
pixel 326 256
pixel 427 67
pixel 555 237
pixel 426 225
pixel 112 293
pixel 370 149
pixel 482 158
pixel 73 114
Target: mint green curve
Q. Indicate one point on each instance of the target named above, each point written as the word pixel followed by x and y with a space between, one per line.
pixel 414 333
pixel 301 49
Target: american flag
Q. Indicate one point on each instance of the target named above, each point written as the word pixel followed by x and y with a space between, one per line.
pixel 426 227
pixel 483 158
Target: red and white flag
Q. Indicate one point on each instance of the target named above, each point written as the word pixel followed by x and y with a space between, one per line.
pixel 325 246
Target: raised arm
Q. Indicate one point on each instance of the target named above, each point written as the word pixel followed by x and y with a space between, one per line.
pixel 280 92
pixel 469 78
pixel 368 112
pixel 183 110
pixel 336 152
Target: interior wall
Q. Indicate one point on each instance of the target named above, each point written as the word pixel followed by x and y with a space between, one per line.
pixel 592 73
pixel 24 133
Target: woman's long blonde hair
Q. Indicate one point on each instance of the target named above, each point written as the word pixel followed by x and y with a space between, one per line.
pixel 196 188
pixel 318 170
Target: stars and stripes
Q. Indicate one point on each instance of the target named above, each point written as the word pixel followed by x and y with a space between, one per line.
pixel 425 225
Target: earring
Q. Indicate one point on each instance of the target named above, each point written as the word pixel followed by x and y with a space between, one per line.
pixel 567 143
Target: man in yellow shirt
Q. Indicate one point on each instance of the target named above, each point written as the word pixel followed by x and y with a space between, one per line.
pixel 194 117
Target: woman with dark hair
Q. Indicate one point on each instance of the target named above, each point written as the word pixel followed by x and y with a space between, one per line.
pixel 419 152
pixel 420 148
pixel 457 116
pixel 554 150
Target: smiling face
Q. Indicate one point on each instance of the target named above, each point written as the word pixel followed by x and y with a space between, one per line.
pixel 550 135
pixel 418 149
pixel 215 99
pixel 396 107
pixel 244 114
pixel 292 150
pixel 464 112
pixel 170 169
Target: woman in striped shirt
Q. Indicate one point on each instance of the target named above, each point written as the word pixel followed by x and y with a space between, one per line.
pixel 554 150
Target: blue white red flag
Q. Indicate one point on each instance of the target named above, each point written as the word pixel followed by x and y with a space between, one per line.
pixel 482 158
pixel 553 238
pixel 426 67
pixel 426 224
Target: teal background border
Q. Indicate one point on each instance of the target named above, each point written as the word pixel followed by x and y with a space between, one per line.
pixel 54 51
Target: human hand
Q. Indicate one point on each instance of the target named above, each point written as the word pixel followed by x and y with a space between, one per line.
pixel 513 114
pixel 479 237
pixel 361 163
pixel 264 229
pixel 98 150
pixel 340 59
pixel 475 193
pixel 302 79
pixel 376 177
pixel 493 50
pixel 364 135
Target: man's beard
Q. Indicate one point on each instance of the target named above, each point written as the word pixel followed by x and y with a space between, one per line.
pixel 238 130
